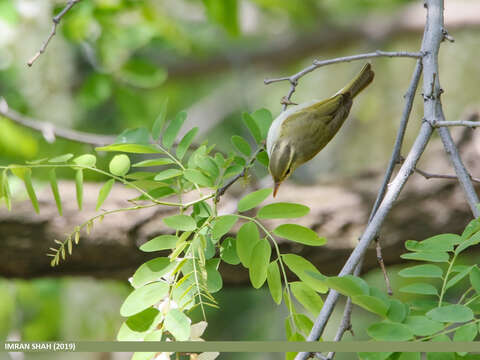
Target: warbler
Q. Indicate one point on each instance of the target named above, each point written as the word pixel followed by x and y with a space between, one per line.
pixel 300 132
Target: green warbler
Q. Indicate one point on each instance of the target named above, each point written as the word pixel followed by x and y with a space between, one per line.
pixel 300 132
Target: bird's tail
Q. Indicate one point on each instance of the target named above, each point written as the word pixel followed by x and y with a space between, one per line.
pixel 361 81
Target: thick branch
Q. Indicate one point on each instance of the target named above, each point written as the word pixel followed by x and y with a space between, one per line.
pixel 433 36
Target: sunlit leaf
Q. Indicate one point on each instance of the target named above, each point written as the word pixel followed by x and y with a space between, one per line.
pixel 158 243
pixel 130 148
pixel 299 234
pixel 253 199
pixel 153 162
pixel 103 193
pixel 79 187
pixel 259 262
pixel 422 271
pixel 389 331
pixel 241 145
pixel 223 225
pixel 304 270
pixel 184 144
pixel 178 324
pixel 307 297
pixel 143 297
pixel 247 238
pixel 173 128
pixel 283 210
pixel 181 222
pixel 274 282
pixel 54 186
pixel 451 313
pixel 88 160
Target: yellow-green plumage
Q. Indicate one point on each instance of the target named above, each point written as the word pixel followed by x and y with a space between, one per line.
pixel 299 133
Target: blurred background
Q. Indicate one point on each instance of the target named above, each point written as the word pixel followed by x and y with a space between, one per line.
pixel 114 62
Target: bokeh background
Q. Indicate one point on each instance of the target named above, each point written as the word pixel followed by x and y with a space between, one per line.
pixel 114 62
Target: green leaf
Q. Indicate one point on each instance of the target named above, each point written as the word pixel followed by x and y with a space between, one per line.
pixel 136 327
pixel 143 297
pixel 228 251
pixel 160 120
pixel 103 193
pixel 247 238
pixel 181 222
pixel 458 277
pixel 184 144
pixel 61 158
pixel 303 323
pixel 134 136
pixel 440 355
pixel 372 304
pixel 259 262
pixel 173 128
pixel 297 338
pixel 348 285
pixel 282 210
pixel 152 271
pixel 466 332
pixel 420 288
pixel 253 199
pixel 131 148
pixel 432 256
pixel 475 279
pixel 264 119
pixel 274 282
pixel 197 177
pixel 162 242
pixel 224 13
pixel 423 326
pixel 178 324
pixel 154 162
pixel 30 190
pixel 306 296
pixel 451 313
pixel 142 74
pixel 241 145
pixel 233 170
pixel 214 279
pixel 223 225
pixel 6 190
pixel 474 240
pixel 387 331
pixel 143 356
pixel 299 234
pixel 88 160
pixel 442 242
pixel 54 186
pixel 208 165
pixel 304 270
pixel 397 312
pixel 79 187
pixel 422 271
pixel 168 174
pixel 157 193
pixel 262 158
pixel 253 127
pixel 472 227
pixel 119 165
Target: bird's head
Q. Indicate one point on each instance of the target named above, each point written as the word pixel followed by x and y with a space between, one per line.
pixel 281 164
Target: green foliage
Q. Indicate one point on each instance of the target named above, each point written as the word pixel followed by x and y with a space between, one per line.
pixel 167 288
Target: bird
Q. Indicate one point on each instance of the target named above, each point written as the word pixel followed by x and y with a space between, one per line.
pixel 299 133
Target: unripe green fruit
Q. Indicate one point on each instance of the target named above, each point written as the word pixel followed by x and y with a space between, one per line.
pixel 120 165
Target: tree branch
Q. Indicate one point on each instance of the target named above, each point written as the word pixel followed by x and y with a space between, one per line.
pixel 293 79
pixel 56 21
pixel 50 131
pixel 433 36
pixel 428 175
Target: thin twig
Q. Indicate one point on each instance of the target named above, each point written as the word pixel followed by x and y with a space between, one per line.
pixel 50 131
pixel 319 63
pixel 234 179
pixel 428 175
pixel 431 42
pixel 466 123
pixel 56 21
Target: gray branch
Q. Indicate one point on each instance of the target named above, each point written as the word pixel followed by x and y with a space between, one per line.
pixel 293 79
pixel 433 36
pixel 50 131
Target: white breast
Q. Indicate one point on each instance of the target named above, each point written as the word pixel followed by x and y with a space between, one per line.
pixel 275 128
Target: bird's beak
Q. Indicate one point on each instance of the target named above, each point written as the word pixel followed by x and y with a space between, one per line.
pixel 275 188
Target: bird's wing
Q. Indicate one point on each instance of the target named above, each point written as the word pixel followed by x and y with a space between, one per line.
pixel 311 128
